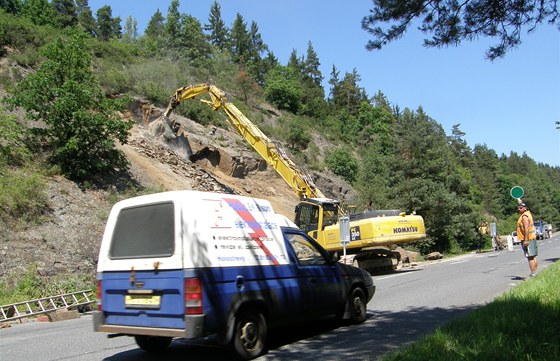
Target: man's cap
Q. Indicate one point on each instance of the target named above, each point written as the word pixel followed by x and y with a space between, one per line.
pixel 522 205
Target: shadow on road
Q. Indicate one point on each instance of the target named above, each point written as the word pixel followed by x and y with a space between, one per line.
pixel 323 340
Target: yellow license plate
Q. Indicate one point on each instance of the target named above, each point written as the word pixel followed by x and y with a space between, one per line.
pixel 148 301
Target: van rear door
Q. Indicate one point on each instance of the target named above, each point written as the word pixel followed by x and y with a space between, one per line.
pixel 140 266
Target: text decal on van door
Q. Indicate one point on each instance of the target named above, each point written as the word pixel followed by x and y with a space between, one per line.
pixel 258 232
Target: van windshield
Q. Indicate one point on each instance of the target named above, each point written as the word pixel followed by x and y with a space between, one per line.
pixel 144 231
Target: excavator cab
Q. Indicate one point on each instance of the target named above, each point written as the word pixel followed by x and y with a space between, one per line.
pixel 314 214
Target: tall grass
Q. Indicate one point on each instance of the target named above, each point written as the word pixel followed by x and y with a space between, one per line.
pixel 523 324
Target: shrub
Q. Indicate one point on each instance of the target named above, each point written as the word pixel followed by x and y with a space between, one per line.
pixel 200 113
pixel 283 90
pixel 115 81
pixel 298 137
pixel 342 163
pixel 19 32
pixel 13 150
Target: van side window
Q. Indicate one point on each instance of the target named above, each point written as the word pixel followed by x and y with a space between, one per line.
pixel 144 232
pixel 305 251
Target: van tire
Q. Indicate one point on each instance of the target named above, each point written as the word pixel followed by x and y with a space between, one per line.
pixel 357 306
pixel 249 334
pixel 152 343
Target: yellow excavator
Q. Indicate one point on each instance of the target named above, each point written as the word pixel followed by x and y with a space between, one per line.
pixel 370 232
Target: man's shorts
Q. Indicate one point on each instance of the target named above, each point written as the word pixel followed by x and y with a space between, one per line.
pixel 531 250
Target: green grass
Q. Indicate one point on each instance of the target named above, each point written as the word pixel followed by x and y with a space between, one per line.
pixel 522 324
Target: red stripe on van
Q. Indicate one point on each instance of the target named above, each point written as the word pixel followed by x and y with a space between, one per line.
pixel 258 232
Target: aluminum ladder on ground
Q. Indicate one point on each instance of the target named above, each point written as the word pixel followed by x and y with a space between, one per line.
pixel 44 305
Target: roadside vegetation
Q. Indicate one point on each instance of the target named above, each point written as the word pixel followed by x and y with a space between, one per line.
pixel 32 286
pixel 522 324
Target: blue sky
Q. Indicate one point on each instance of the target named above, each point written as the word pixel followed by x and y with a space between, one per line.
pixel 510 104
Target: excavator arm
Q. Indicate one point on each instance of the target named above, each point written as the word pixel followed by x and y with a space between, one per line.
pixel 300 182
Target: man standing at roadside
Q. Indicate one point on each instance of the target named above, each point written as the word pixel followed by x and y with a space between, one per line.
pixel 527 235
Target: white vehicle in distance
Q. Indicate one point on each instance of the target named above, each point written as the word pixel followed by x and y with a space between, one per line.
pixel 514 236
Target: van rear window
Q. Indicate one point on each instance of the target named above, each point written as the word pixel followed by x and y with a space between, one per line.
pixel 144 231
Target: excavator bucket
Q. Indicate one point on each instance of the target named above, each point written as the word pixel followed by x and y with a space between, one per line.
pixel 176 139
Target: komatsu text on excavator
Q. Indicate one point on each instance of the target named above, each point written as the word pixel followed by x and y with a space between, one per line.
pixel 370 232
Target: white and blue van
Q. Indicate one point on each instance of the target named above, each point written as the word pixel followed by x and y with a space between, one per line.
pixel 189 264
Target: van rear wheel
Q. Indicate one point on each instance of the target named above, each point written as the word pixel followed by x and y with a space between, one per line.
pixel 249 335
pixel 152 343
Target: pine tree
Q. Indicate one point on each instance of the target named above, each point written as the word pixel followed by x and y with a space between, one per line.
pixel 156 26
pixel 311 66
pixel 485 172
pixel 218 31
pixel 65 13
pixel 107 26
pixel 173 26
pixel 268 63
pixel 240 42
pixel 313 103
pixel 377 122
pixel 85 17
pixel 347 94
pixel 295 63
pixel 257 46
pixel 334 83
pixel 193 42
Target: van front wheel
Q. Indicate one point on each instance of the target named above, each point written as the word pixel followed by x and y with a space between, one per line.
pixel 152 343
pixel 249 335
pixel 357 306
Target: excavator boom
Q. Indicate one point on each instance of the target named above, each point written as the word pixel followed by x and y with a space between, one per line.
pixel 300 182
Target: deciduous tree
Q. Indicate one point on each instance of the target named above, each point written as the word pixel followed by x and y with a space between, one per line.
pixel 82 124
pixel 40 12
pixel 130 34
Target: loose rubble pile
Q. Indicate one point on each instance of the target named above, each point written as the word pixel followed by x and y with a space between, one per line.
pixel 202 179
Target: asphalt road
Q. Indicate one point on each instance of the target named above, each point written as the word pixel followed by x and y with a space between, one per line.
pixel 408 304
